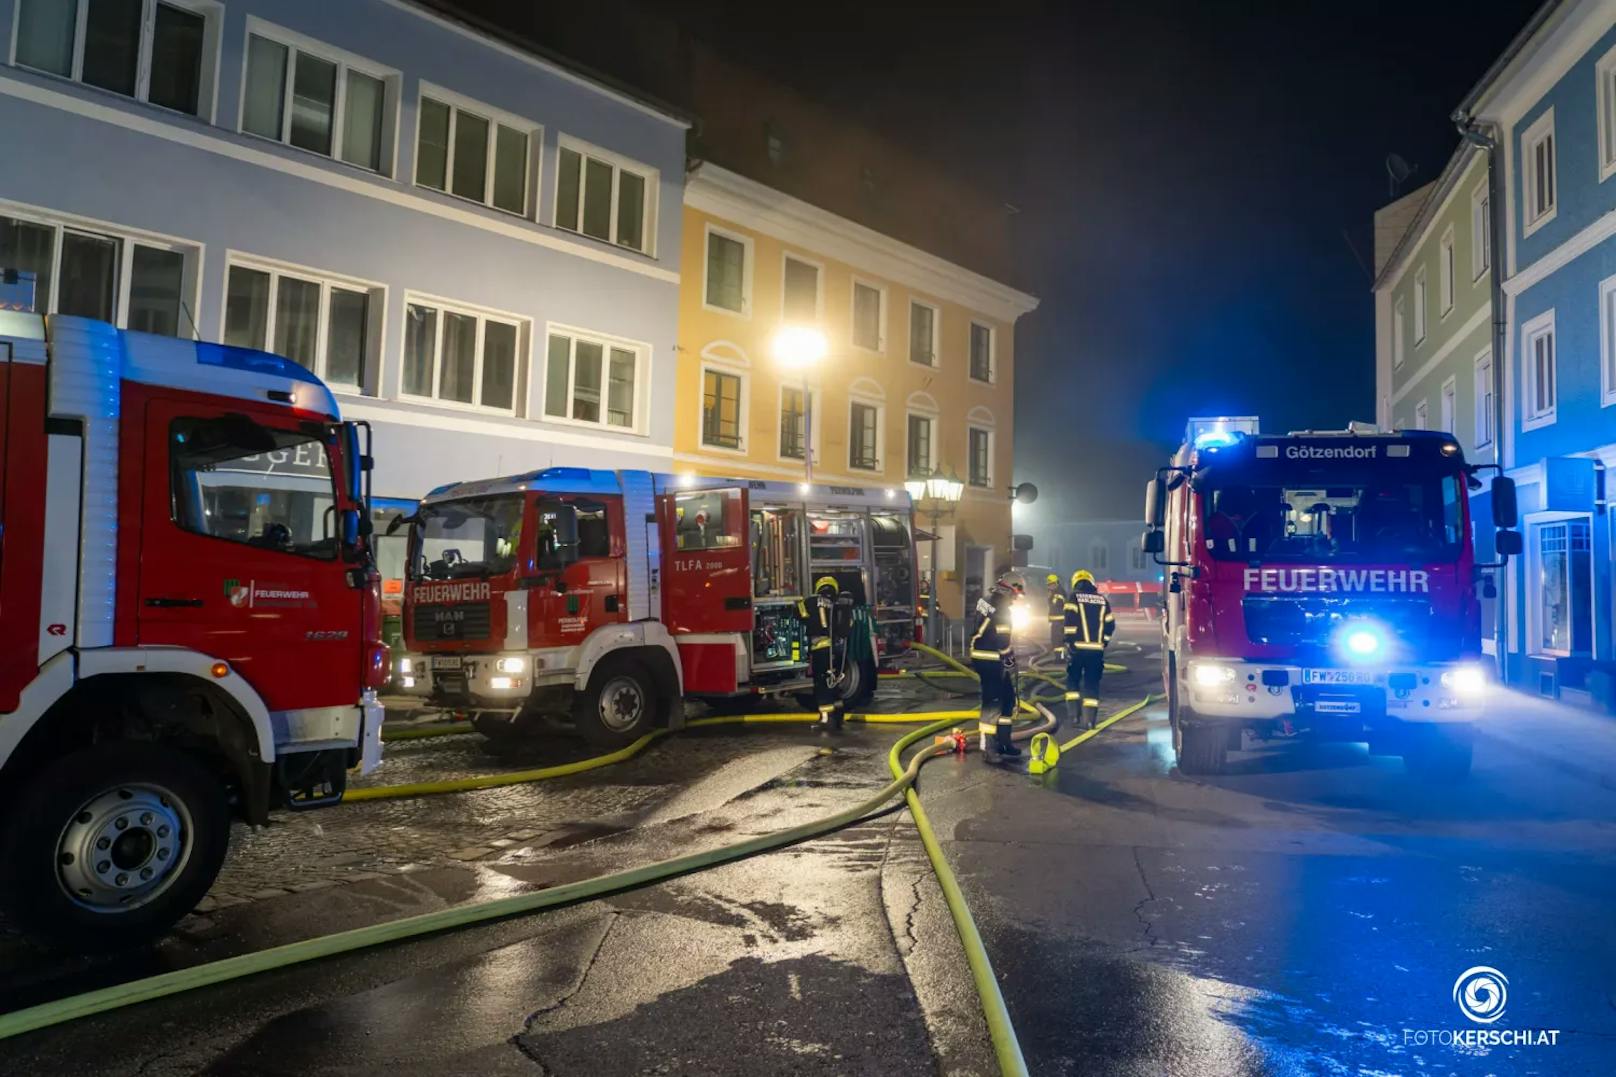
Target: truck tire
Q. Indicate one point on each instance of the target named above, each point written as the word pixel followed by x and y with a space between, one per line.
pixel 110 846
pixel 1202 749
pixel 1439 753
pixel 619 706
pixel 860 683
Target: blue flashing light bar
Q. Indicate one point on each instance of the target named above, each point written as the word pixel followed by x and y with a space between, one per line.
pixel 1216 431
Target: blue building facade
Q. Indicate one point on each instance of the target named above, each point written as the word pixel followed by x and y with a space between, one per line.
pixel 476 246
pixel 1552 100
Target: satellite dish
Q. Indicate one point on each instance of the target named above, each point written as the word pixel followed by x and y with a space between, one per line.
pixel 1398 171
pixel 1026 493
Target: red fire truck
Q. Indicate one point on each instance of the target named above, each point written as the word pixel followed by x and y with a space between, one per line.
pixel 1323 583
pixel 603 598
pixel 189 624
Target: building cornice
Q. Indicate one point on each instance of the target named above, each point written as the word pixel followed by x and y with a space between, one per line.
pixel 1557 35
pixel 749 204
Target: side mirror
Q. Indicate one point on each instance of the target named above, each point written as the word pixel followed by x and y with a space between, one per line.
pixel 1507 543
pixel 350 527
pixel 1155 503
pixel 566 527
pixel 1506 512
pixel 1153 541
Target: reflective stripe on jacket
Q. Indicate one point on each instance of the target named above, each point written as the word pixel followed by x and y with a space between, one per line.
pixel 1090 624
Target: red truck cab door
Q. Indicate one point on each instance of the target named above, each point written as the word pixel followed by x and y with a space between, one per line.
pixel 707 568
pixel 581 582
pixel 241 551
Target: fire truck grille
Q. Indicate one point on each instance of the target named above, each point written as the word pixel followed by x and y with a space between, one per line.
pixel 471 620
pixel 1309 623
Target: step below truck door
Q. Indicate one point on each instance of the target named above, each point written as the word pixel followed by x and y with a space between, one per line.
pixel 707 582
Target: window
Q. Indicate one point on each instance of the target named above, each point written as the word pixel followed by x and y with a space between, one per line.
pixel 592 380
pixel 921 444
pixel 864 436
pixel 1537 168
pixel 158 51
pixel 796 422
pixel 799 292
pixel 257 485
pixel 1484 399
pixel 460 356
pixel 1605 73
pixel 139 284
pixel 922 333
pixel 322 325
pixel 982 368
pixel 1420 300
pixel 979 446
pixel 469 537
pixel 1136 558
pixel 1422 415
pixel 315 98
pixel 1562 589
pixel 606 197
pixel 1449 403
pixel 721 409
pixel 1099 556
pixel 1399 330
pixel 709 519
pixel 868 317
pixel 1481 232
pixel 571 531
pixel 1539 371
pixel 1607 340
pixel 729 277
pixel 473 152
pixel 1445 273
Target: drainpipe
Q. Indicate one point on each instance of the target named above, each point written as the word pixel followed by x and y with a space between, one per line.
pixel 1485 136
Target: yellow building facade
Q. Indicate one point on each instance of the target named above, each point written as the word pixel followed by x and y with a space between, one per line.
pixel 917 375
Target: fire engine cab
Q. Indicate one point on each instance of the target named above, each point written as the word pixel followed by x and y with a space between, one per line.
pixel 189 624
pixel 1323 583
pixel 603 598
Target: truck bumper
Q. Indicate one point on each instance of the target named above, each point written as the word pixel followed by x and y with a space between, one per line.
pixel 501 681
pixel 1446 693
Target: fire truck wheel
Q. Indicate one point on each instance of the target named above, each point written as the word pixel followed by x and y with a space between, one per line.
pixel 620 705
pixel 858 686
pixel 123 840
pixel 1202 749
pixel 1439 753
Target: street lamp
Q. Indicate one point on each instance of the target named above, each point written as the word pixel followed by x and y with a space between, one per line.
pixel 936 495
pixel 801 347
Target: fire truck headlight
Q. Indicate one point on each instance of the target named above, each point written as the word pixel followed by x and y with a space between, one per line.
pixel 409 682
pixel 406 666
pixel 1019 617
pixel 1466 680
pixel 1211 675
pixel 513 664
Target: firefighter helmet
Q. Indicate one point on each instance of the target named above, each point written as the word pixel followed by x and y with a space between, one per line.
pixel 1052 580
pixel 1082 575
pixel 827 583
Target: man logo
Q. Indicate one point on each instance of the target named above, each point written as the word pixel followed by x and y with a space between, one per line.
pixel 1481 993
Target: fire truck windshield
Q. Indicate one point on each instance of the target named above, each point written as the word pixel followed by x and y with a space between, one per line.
pixel 1324 518
pixel 474 536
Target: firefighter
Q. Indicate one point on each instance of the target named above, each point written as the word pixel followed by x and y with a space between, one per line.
pixel 819 614
pixel 993 656
pixel 1056 602
pixel 1089 626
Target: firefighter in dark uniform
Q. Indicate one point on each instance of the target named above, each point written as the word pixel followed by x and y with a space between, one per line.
pixel 1090 624
pixel 1057 612
pixel 993 657
pixel 819 614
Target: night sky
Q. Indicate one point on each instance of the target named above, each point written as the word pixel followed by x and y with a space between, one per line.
pixel 1192 180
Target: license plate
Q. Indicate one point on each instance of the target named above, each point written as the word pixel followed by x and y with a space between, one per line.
pixel 1337 676
pixel 446 661
pixel 1337 706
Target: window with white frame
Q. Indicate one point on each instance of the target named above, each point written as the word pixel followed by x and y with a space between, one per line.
pixel 864 436
pixel 1399 330
pixel 162 52
pixel 1605 73
pixel 456 355
pixel 796 422
pixel 923 319
pixel 869 317
pixel 1607 341
pixel 979 454
pixel 1449 404
pixel 474 152
pixel 317 98
pixel 1099 556
pixel 327 326
pixel 1136 558
pixel 722 408
pixel 1484 399
pixel 86 269
pixel 799 292
pixel 593 379
pixel 1446 269
pixel 982 342
pixel 1421 297
pixel 606 197
pixel 1562 588
pixel 922 446
pixel 1538 172
pixel 728 276
pixel 1481 232
pixel 1539 370
pixel 1422 415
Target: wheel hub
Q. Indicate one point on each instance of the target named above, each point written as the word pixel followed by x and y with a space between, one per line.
pixel 621 704
pixel 123 847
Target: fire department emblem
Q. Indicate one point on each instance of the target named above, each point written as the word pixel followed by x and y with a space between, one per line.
pixel 236 593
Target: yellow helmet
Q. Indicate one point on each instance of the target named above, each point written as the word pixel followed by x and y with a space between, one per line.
pixel 827 581
pixel 1052 579
pixel 1080 575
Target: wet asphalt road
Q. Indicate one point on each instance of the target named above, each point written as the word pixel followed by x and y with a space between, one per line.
pixel 1292 917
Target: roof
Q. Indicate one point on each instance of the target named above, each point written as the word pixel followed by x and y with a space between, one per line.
pixel 1436 196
